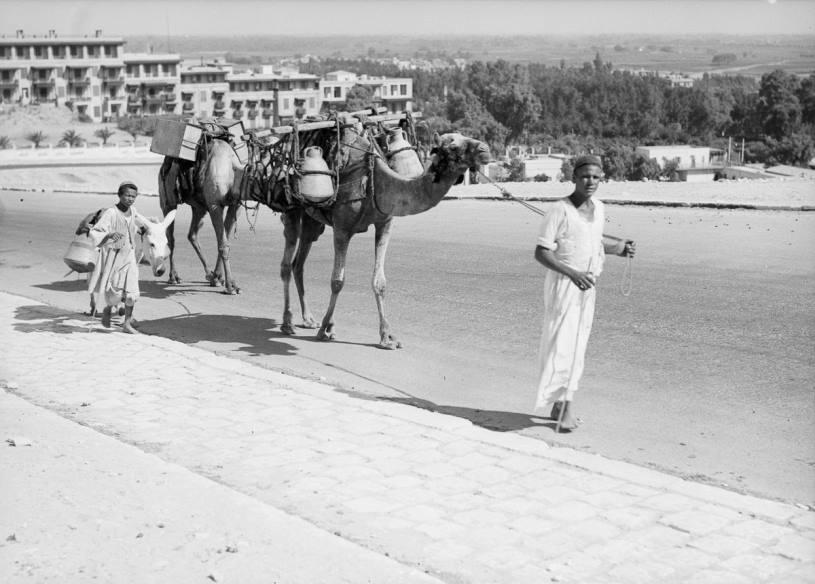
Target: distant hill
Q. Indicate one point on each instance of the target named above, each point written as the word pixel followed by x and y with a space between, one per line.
pixel 746 55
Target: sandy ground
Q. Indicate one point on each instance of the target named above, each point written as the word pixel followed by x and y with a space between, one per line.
pixel 16 123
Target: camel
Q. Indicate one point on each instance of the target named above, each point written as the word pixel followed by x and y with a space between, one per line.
pixel 370 193
pixel 210 185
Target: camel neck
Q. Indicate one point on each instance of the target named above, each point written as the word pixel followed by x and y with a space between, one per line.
pixel 399 196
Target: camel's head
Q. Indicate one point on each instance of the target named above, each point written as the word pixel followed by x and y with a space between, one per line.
pixel 155 249
pixel 454 154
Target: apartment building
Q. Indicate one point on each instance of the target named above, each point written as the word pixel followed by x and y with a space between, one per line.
pixel 394 93
pixel 95 77
pixel 152 83
pixel 82 72
pixel 204 88
pixel 269 97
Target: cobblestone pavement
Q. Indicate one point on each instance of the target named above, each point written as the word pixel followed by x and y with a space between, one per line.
pixel 431 491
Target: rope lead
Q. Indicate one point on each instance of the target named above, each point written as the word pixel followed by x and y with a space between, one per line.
pixel 627 281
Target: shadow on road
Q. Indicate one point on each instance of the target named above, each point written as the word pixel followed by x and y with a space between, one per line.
pixel 489 419
pixel 253 334
pixel 39 318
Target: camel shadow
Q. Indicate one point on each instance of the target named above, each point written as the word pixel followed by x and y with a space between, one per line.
pixel 41 318
pixel 148 288
pixel 497 421
pixel 253 334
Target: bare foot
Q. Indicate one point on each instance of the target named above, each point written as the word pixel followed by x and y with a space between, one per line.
pixel 128 328
pixel 106 317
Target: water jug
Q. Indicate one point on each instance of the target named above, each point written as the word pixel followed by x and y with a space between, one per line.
pixel 81 255
pixel 401 157
pixel 315 179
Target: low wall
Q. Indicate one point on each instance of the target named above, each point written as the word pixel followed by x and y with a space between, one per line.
pixel 79 155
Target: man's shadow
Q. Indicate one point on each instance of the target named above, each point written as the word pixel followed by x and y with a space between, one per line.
pixel 42 318
pixel 498 421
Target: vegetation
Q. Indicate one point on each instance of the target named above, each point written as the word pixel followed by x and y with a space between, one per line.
pixel 104 134
pixel 5 142
pixel 37 137
pixel 71 138
pixel 595 108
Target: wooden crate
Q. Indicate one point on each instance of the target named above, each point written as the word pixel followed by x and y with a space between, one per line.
pixel 176 139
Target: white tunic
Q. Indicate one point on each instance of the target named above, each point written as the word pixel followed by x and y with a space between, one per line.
pixel 115 279
pixel 576 238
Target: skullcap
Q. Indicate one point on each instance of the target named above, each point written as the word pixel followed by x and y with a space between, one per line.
pixel 586 159
pixel 127 185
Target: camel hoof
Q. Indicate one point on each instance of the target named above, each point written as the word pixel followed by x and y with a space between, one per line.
pixel 390 344
pixel 324 336
pixel 310 323
pixel 287 329
pixel 229 292
pixel 174 279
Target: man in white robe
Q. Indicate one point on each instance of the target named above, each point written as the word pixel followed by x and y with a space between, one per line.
pixel 571 247
pixel 115 278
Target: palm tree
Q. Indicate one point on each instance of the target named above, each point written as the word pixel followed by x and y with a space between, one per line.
pixel 72 138
pixel 104 134
pixel 37 137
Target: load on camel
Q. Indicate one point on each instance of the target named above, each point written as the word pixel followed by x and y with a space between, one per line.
pixel 366 191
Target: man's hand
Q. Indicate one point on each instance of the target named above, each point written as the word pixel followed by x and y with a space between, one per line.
pixel 583 280
pixel 629 249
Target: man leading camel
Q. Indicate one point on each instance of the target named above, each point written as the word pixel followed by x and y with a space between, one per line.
pixel 570 246
pixel 115 278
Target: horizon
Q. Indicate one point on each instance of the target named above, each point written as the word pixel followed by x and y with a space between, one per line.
pixel 459 18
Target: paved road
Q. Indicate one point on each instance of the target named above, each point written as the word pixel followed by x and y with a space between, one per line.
pixel 704 371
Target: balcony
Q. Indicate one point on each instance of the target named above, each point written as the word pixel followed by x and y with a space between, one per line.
pixel 8 83
pixel 219 106
pixel 237 114
pixel 267 113
pixel 188 106
pixel 169 97
pixel 42 81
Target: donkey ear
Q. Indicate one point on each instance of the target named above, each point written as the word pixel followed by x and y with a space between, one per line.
pixel 168 218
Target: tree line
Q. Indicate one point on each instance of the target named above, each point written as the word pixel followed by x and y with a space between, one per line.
pixel 596 108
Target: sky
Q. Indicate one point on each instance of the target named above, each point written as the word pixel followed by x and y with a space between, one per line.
pixel 489 17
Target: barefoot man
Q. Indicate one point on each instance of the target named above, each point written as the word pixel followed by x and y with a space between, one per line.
pixel 115 279
pixel 572 249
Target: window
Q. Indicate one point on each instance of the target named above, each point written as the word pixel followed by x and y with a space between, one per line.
pixel 403 89
pixel 311 103
pixel 257 86
pixel 97 112
pixel 5 52
pixel 96 89
pixel 39 52
pixel 326 92
pixel 203 96
pixel 93 51
pixel 393 89
pixel 286 104
pixel 338 92
pixel 76 51
pixel 110 51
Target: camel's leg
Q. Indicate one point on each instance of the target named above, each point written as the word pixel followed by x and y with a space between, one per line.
pixel 291 233
pixel 216 214
pixel 168 197
pixel 341 241
pixel 310 231
pixel 383 235
pixel 196 222
pixel 230 226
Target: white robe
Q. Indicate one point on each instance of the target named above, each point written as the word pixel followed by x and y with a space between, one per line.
pixel 115 278
pixel 576 238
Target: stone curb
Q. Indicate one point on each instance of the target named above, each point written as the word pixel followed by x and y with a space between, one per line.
pixel 747 504
pixel 619 202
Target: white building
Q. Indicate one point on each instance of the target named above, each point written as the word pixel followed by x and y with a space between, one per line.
pixel 395 93
pixel 203 89
pixel 152 83
pixel 82 72
pixel 694 163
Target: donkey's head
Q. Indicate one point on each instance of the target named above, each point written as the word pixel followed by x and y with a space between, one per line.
pixel 154 247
